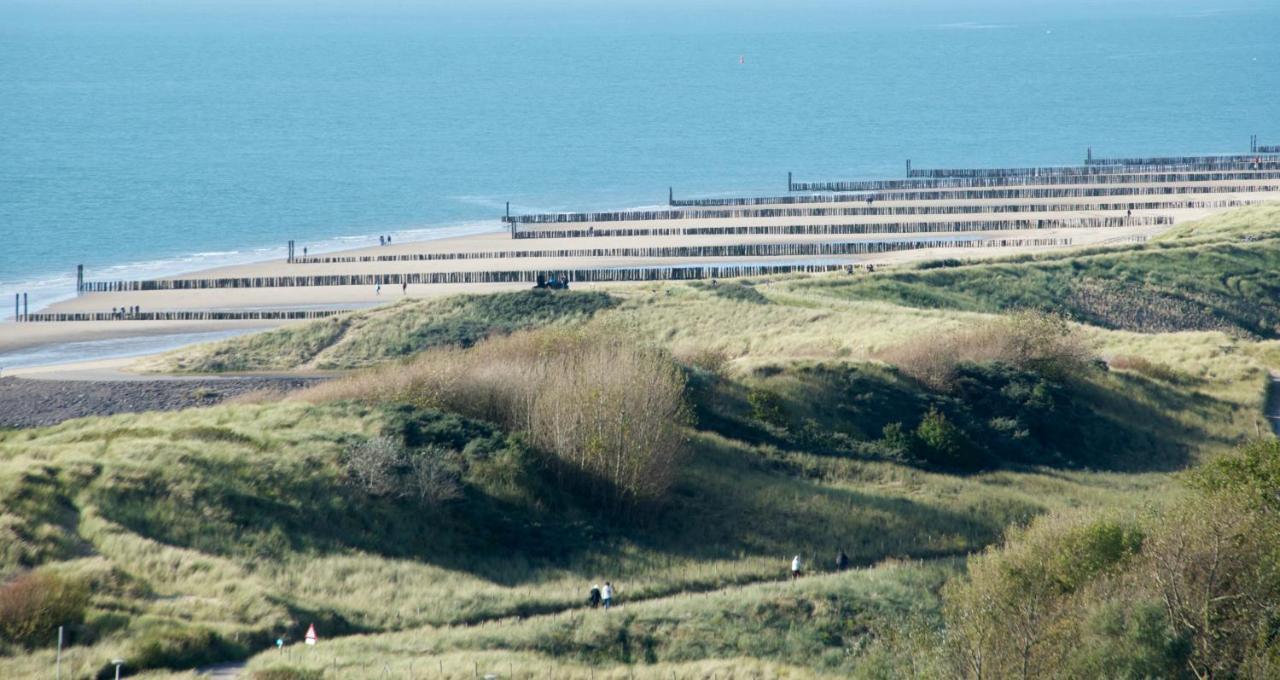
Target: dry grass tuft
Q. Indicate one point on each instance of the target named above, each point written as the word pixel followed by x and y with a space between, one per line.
pixel 1032 341
pixel 611 412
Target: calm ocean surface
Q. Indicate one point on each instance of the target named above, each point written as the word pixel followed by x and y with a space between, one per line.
pixel 168 146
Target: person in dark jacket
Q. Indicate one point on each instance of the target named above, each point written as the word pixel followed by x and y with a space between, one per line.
pixel 594 598
pixel 842 561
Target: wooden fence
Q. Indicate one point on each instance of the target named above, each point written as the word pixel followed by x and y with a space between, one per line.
pixel 637 273
pixel 1268 163
pixel 185 316
pixel 979 194
pixel 919 183
pixel 851 229
pixel 733 250
pixel 1178 160
pixel 758 213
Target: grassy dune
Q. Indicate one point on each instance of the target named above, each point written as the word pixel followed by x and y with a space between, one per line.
pixel 204 535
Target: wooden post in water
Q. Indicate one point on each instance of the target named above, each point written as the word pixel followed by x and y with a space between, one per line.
pixel 908 167
pixel 1088 155
pixel 16 307
pixel 25 309
pixel 788 180
pixel 671 196
pixel 79 278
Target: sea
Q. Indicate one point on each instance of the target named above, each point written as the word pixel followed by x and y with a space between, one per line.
pixel 146 139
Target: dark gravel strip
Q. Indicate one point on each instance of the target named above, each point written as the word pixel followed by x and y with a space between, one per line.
pixel 33 403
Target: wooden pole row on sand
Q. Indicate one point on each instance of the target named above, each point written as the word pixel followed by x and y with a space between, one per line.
pixel 1005 181
pixel 1268 162
pixel 639 273
pixel 980 194
pixel 732 250
pixel 850 229
pixel 872 210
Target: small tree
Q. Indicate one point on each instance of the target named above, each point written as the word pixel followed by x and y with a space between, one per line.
pixel 373 465
pixel 433 477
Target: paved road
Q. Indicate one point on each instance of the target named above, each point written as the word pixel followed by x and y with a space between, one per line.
pixel 1273 403
pixel 222 671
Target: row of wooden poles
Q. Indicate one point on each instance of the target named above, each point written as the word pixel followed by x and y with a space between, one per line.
pixel 224 315
pixel 1268 162
pixel 852 229
pixel 1004 181
pixel 755 213
pixel 979 194
pixel 735 250
pixel 640 273
pixel 1178 160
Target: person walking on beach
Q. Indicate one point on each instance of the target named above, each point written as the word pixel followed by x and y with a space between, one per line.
pixel 594 598
pixel 607 595
pixel 377 290
pixel 304 251
pixel 404 288
pixel 795 567
pixel 382 240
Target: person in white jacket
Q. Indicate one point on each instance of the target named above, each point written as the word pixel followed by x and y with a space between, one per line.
pixel 607 594
pixel 795 567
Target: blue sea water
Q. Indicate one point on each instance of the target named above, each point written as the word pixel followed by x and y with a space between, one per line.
pixel 150 146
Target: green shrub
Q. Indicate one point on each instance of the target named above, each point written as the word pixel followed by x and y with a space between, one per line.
pixel 939 442
pixel 173 645
pixel 34 604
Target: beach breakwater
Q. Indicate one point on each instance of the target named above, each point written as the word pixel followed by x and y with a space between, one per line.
pixel 867 211
pixel 920 183
pixel 1085 170
pixel 978 194
pixel 736 250
pixel 634 273
pixel 886 228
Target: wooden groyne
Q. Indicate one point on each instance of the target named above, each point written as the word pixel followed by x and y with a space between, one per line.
pixel 735 250
pixel 604 274
pixel 977 194
pixel 868 211
pixel 268 315
pixel 852 229
pixel 1178 160
pixel 1267 163
pixel 1269 149
pixel 921 183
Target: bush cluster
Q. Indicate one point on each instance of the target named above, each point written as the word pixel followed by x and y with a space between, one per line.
pixel 383 466
pixel 609 413
pixel 35 603
pixel 1032 341
pixel 1190 591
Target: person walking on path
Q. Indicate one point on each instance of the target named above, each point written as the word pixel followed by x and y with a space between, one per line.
pixel 795 567
pixel 594 598
pixel 607 595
